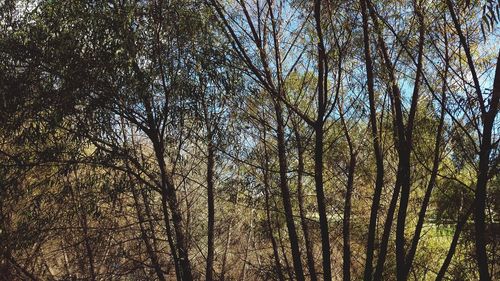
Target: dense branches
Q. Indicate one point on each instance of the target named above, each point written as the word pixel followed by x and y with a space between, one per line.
pixel 249 140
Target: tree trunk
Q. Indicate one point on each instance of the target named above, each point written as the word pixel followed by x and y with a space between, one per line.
pixel 346 225
pixel 318 148
pixel 211 209
pixel 285 193
pixel 435 166
pixel 149 248
pixel 482 178
pixel 277 262
pixel 453 246
pixel 379 182
pixel 169 196
pixel 303 218
pixel 488 119
pixel 386 234
pixel 140 216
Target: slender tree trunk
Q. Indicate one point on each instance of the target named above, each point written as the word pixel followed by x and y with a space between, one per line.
pixel 285 193
pixel 346 225
pixel 435 166
pixel 168 228
pixel 182 245
pixel 346 221
pixel 226 248
pixel 488 119
pixel 88 249
pixel 224 256
pixel 454 242
pixel 89 253
pixel 277 262
pixel 149 214
pixel 168 192
pixel 289 269
pixel 405 155
pixel 140 216
pixel 170 238
pixel 169 196
pixel 386 234
pixel 149 248
pixel 180 269
pixel 211 208
pixel 403 142
pixel 318 148
pixel 370 246
pixel 404 158
pixel 482 178
pixel 320 197
pixel 303 218
pixel 243 272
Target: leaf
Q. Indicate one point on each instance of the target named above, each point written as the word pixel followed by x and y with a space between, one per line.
pixel 482 31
